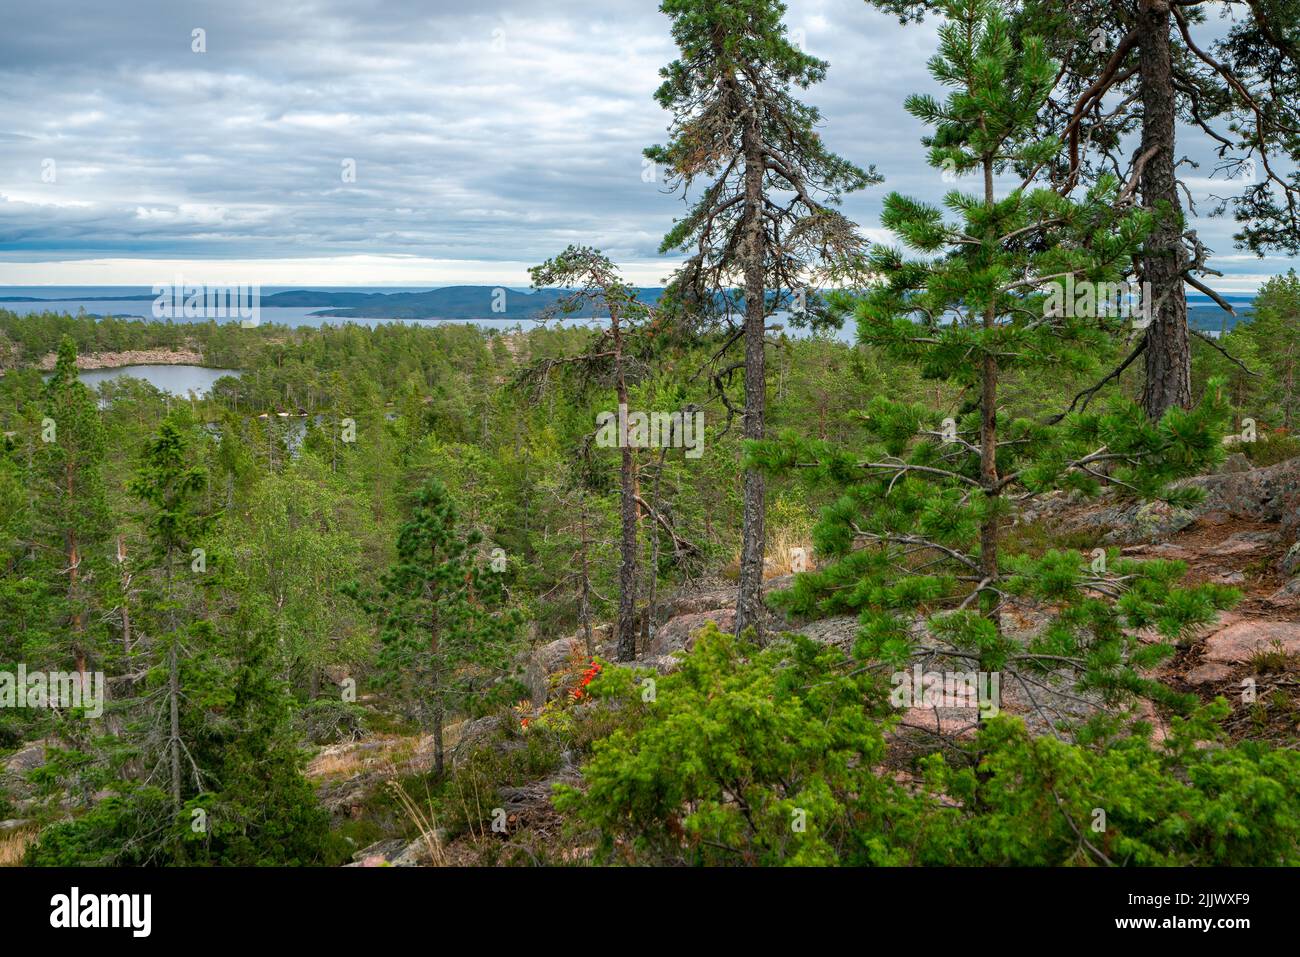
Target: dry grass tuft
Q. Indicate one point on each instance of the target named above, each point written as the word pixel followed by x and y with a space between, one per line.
pixel 783 558
pixel 14 844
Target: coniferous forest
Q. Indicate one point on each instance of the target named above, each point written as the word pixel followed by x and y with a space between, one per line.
pixel 960 537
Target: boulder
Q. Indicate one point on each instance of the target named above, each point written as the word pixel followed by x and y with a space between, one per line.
pixel 1263 495
pixel 1288 594
pixel 945 721
pixel 1243 543
pixel 1269 494
pixel 416 853
pixel 473 735
pixel 1165 550
pixel 379 853
pixel 27 758
pixel 840 630
pixel 547 659
pixel 694 603
pixel 678 634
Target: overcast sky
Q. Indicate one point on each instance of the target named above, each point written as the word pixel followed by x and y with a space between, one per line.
pixel 485 137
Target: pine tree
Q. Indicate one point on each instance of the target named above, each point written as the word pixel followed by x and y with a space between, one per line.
pixel 258 808
pixel 918 529
pixel 765 221
pixel 1240 92
pixel 593 280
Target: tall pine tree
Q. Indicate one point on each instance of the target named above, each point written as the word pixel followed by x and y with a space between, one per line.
pixel 918 527
pixel 591 279
pixel 765 221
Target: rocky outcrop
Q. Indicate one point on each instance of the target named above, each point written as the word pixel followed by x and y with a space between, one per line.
pixel 27 758
pixel 1288 594
pixel 1241 641
pixel 137 357
pixel 678 634
pixel 398 852
pixel 544 661
pixel 1269 494
pixel 473 735
pixel 16 767
pixel 696 601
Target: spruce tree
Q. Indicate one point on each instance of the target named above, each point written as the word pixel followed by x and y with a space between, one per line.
pixel 765 221
pixel 918 527
pixel 448 638
pixel 1274 330
pixel 171 482
pixel 73 504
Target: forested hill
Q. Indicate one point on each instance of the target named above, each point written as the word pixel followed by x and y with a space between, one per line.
pixel 505 302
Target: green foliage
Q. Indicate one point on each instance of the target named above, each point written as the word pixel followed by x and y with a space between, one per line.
pixel 1042 802
pixel 72 517
pixel 747 757
pixel 916 528
pixel 447 639
pixel 736 743
pixel 731 92
pixel 330 720
pixel 120 831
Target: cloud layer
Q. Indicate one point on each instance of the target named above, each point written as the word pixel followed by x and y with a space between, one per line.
pixel 483 137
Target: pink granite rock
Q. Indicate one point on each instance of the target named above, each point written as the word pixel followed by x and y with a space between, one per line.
pixel 1239 641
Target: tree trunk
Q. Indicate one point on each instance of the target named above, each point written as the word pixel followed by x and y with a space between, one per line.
pixel 584 583
pixel 126 597
pixel 174 695
pixel 439 758
pixel 651 603
pixel 1290 394
pixel 627 571
pixel 1168 354
pixel 989 444
pixel 749 603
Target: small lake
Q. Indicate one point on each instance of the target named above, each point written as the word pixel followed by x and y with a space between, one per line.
pixel 177 379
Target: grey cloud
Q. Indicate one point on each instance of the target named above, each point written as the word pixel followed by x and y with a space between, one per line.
pixel 500 130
